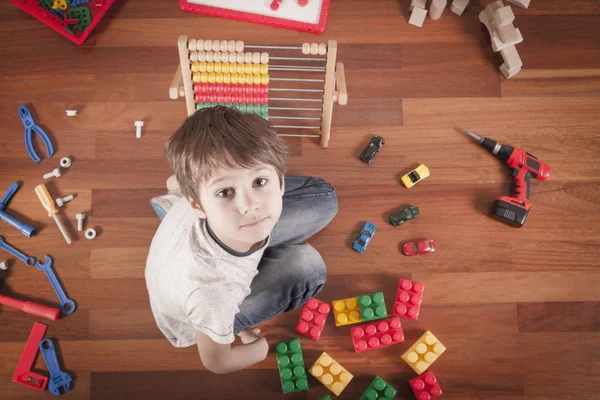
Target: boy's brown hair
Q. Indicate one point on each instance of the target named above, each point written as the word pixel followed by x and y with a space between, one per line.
pixel 222 137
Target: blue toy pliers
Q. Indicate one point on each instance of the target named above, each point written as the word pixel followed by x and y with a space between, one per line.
pixel 30 126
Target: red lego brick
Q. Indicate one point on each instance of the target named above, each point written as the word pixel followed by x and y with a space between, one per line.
pixel 375 335
pixel 408 299
pixel 426 387
pixel 312 320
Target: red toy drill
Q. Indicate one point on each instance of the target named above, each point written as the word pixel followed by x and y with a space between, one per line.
pixel 514 210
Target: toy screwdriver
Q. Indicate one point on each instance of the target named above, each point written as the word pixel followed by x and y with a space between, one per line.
pixel 514 210
pixel 48 204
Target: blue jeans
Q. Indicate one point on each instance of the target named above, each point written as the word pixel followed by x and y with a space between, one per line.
pixel 290 271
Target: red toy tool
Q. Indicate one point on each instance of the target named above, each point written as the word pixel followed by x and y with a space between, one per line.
pixel 514 210
pixel 31 308
pixel 23 374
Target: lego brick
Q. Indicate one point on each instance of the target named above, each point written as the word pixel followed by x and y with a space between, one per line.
pixel 458 6
pixel 331 374
pixel 346 311
pixel 82 15
pixel 418 3
pixel 328 397
pixel 426 387
pixel 503 16
pixel 423 352
pixel 372 306
pixel 417 17
pixel 291 366
pixel 520 3
pixel 376 335
pixel 312 319
pixel 379 389
pixel 508 33
pixel 511 57
pixel 436 8
pixel 409 296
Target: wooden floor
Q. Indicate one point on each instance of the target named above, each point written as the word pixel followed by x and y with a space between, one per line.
pixel 518 309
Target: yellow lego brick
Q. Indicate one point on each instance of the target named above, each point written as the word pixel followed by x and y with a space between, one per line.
pixel 346 311
pixel 330 373
pixel 424 352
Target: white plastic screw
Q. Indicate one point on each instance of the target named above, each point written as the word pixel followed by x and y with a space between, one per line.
pixel 54 173
pixel 80 218
pixel 65 162
pixel 4 265
pixel 71 113
pixel 62 201
pixel 138 128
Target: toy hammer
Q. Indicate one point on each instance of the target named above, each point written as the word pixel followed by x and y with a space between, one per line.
pixel 25 229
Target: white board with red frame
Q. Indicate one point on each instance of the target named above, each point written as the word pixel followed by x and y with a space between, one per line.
pixel 309 18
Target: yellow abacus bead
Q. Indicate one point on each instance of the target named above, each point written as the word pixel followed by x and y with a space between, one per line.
pixel 234 78
pixel 218 67
pixel 225 68
pixel 194 67
pixel 264 69
pixel 247 68
pixel 226 78
pixel 220 77
pixel 210 67
pixel 265 79
pixel 241 79
pixel 196 77
pixel 257 79
pixel 240 68
pixel 203 77
pixel 256 68
pixel 212 77
pixel 202 67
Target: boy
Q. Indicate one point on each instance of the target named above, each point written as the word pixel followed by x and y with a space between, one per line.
pixel 229 252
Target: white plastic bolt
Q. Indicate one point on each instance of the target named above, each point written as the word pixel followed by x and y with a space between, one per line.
pixel 80 218
pixel 4 265
pixel 71 113
pixel 138 128
pixel 65 162
pixel 90 233
pixel 62 201
pixel 55 173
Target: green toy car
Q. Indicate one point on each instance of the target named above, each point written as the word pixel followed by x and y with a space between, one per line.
pixel 400 217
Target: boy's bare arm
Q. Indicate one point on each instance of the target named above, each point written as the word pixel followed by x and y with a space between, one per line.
pixel 226 358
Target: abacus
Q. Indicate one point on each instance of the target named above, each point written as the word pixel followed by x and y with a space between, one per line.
pixel 235 74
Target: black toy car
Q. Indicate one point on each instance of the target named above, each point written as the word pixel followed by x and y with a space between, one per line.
pixel 368 154
pixel 400 217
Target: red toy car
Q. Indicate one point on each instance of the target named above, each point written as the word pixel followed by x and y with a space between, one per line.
pixel 419 247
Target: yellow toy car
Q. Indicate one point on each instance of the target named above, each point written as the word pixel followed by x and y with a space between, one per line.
pixel 416 175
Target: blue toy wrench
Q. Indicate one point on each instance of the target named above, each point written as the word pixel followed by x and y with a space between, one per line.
pixel 30 127
pixel 23 257
pixel 58 378
pixel 67 306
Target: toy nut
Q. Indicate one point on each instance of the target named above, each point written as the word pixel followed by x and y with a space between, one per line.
pixel 65 162
pixel 71 113
pixel 90 233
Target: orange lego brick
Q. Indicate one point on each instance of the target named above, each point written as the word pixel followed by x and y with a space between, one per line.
pixel 424 352
pixel 346 311
pixel 331 374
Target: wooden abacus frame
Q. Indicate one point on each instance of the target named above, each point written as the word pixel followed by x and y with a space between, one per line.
pixel 334 88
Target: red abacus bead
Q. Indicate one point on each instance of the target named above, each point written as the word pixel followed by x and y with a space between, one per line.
pixel 227 98
pixel 386 339
pixel 197 87
pixel 227 88
pixel 242 88
pixel 264 89
pixel 212 98
pixel 234 88
pixel 220 98
pixel 198 98
pixel 256 89
pixel 204 88
pixel 219 87
pixel 264 100
pixel 205 97
pixel 373 342
pixel 242 98
pixel 302 327
pixel 249 89
pixel 319 320
pixel 235 98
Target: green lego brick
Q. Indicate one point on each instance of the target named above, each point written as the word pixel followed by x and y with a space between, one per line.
pixel 291 366
pixel 82 15
pixel 328 397
pixel 47 4
pixel 380 390
pixel 372 306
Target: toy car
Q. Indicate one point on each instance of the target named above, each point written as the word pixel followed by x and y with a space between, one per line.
pixel 368 154
pixel 400 217
pixel 365 236
pixel 416 175
pixel 419 247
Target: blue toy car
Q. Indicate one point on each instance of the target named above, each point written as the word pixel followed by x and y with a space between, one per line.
pixel 366 234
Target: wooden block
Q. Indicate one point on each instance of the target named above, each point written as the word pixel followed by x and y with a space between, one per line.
pixel 511 57
pixel 417 17
pixel 520 3
pixel 503 16
pixel 436 9
pixel 458 6
pixel 418 3
pixel 508 33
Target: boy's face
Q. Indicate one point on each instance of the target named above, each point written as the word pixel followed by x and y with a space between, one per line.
pixel 241 205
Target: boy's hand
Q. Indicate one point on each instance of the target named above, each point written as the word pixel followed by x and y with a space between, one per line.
pixel 250 335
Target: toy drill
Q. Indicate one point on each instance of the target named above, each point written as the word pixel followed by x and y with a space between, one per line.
pixel 514 210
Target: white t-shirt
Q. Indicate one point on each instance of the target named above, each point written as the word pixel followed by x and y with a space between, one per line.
pixel 194 281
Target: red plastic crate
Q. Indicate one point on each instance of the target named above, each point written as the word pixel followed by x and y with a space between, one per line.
pixel 33 8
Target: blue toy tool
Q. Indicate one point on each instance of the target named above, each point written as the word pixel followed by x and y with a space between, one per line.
pixel 67 306
pixel 23 257
pixel 58 378
pixel 25 229
pixel 30 127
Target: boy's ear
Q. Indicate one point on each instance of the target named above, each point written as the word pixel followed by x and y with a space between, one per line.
pixel 196 207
